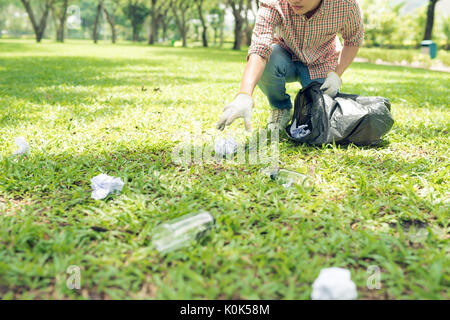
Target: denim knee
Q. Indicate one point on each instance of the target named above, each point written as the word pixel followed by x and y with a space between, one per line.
pixel 278 63
pixel 273 79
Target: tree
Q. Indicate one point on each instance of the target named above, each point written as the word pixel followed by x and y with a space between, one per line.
pixel 238 9
pixel 446 30
pixel 96 21
pixel 381 22
pixel 180 10
pixel 110 8
pixel 165 20
pixel 3 4
pixel 430 20
pixel 158 11
pixel 199 4
pixel 38 27
pixel 59 9
pixel 248 28
pixel 136 12
pixel 218 21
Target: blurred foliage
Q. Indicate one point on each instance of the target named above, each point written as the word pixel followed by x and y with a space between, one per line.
pixel 388 24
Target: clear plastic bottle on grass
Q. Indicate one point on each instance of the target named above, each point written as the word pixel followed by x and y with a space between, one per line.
pixel 288 178
pixel 182 231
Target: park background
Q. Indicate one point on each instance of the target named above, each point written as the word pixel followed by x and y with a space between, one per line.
pixel 89 102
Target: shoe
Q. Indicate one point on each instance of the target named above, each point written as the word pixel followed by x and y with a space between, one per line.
pixel 279 119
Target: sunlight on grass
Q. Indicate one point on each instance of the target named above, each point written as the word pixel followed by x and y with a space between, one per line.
pixel 120 110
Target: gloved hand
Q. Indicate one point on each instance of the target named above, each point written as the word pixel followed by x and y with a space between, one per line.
pixel 240 107
pixel 332 84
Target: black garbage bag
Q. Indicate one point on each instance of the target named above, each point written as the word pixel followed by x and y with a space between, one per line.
pixel 345 119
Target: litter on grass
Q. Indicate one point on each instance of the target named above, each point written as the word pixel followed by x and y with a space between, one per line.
pixel 225 147
pixel 270 172
pixel 103 185
pixel 23 146
pixel 334 284
pixel 288 178
pixel 182 231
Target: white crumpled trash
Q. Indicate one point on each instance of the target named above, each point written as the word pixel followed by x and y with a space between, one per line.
pixel 225 147
pixel 334 284
pixel 103 185
pixel 299 132
pixel 23 146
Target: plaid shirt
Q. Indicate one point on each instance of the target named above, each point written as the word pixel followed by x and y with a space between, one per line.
pixel 312 41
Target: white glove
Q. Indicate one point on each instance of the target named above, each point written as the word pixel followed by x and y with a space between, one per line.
pixel 332 84
pixel 241 107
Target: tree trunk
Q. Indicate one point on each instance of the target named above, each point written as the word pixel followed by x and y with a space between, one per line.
pixel 184 36
pixel 97 18
pixel 154 26
pixel 430 20
pixel 62 22
pixel 215 36
pixel 135 33
pixel 204 26
pixel 39 29
pixel 112 24
pixel 222 31
pixel 153 23
pixel 238 34
pixel 248 29
pixel 180 20
pixel 239 22
pixel 164 29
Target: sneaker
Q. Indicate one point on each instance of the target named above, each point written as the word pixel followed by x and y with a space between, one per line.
pixel 279 119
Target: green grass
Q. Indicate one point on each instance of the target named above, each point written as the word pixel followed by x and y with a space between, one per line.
pixel 408 55
pixel 83 111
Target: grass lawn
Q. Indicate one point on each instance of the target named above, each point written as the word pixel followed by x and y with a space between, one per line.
pixel 408 55
pixel 119 110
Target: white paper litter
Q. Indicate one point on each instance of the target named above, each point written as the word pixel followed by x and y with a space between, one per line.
pixel 299 132
pixel 225 147
pixel 334 284
pixel 103 185
pixel 23 146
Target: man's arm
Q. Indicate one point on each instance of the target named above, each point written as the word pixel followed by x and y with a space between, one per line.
pixel 258 54
pixel 346 58
pixel 353 34
pixel 243 102
pixel 252 73
pixel 333 80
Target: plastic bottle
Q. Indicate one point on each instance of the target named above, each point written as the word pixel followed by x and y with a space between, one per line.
pixel 287 178
pixel 181 231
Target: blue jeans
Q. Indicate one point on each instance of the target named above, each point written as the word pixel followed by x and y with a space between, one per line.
pixel 279 70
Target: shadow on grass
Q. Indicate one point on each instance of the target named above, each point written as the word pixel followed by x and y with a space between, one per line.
pixel 58 80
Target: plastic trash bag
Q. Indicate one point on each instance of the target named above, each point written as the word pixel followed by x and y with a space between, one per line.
pixel 23 146
pixel 103 185
pixel 347 118
pixel 334 284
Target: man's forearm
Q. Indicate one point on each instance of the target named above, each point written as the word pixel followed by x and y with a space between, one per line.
pixel 348 54
pixel 252 73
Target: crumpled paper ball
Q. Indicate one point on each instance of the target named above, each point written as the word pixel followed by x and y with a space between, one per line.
pixel 23 146
pixel 300 131
pixel 334 284
pixel 103 185
pixel 225 147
